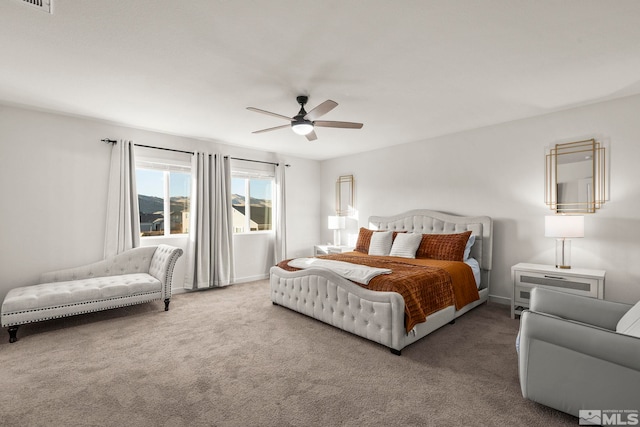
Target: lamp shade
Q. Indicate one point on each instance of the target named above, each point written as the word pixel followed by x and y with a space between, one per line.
pixel 564 226
pixel 336 222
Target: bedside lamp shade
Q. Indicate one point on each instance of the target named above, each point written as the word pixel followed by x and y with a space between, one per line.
pixel 336 223
pixel 563 227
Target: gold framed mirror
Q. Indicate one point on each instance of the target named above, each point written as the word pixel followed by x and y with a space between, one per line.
pixel 575 177
pixel 345 203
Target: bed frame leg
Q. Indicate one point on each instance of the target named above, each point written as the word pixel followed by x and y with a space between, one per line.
pixel 166 304
pixel 13 334
pixel 396 352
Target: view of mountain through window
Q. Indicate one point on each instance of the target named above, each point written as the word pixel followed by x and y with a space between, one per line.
pixel 163 194
pixel 256 215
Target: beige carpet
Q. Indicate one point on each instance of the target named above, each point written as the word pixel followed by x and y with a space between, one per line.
pixel 228 357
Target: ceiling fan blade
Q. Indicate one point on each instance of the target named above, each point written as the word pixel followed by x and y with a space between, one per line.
pixel 270 129
pixel 311 136
pixel 344 125
pixel 321 110
pixel 257 110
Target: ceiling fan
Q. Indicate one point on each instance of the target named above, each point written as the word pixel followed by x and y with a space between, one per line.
pixel 303 122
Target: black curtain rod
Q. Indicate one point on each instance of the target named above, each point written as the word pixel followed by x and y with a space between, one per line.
pixel 254 161
pixel 113 141
pixel 165 149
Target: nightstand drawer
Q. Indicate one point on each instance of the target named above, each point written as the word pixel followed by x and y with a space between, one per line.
pixel 522 294
pixel 576 285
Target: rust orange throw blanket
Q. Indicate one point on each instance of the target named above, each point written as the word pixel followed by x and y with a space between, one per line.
pixel 426 285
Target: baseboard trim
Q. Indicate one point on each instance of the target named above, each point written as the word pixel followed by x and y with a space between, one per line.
pixel 175 291
pixel 500 300
pixel 251 278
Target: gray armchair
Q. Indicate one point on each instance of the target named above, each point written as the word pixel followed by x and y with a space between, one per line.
pixel 571 357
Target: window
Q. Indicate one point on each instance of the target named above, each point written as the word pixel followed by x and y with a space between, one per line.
pixel 252 202
pixel 164 194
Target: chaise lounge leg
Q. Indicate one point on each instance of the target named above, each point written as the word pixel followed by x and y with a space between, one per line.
pixel 166 304
pixel 13 331
pixel 453 322
pixel 396 352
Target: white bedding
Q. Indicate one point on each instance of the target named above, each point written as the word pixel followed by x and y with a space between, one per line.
pixel 358 273
pixel 362 273
pixel 475 267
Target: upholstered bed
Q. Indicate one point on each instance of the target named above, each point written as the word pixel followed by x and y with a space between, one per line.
pixel 380 316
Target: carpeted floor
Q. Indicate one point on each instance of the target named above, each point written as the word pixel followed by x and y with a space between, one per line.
pixel 228 357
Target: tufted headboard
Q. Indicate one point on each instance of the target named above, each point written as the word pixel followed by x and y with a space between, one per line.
pixel 433 222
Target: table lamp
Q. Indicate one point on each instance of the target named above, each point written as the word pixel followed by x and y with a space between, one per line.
pixel 563 227
pixel 336 223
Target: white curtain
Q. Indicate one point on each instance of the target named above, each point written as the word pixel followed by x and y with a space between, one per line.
pixel 280 251
pixel 210 248
pixel 223 224
pixel 123 218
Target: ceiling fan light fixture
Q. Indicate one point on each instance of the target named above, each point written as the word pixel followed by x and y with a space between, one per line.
pixel 302 128
pixel 304 123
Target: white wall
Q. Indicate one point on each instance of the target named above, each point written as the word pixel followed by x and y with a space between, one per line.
pixel 53 193
pixel 499 171
pixel 54 169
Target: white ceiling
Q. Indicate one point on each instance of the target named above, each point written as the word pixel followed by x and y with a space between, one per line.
pixel 408 70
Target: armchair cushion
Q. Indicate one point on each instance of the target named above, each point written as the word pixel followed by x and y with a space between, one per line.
pixel 629 324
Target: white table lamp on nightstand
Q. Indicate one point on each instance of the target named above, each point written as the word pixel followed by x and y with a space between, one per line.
pixel 336 223
pixel 563 227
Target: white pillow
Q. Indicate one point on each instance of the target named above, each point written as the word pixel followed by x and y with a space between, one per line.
pixel 381 243
pixel 405 245
pixel 467 249
pixel 629 324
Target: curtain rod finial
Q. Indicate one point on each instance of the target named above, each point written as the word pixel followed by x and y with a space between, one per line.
pixel 109 141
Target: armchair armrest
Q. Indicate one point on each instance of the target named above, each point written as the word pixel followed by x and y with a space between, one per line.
pixel 596 312
pixel 623 350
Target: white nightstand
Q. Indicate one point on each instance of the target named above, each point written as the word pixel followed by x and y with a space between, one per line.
pixel 330 249
pixel 579 281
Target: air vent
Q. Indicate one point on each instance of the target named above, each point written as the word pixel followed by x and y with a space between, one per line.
pixel 43 5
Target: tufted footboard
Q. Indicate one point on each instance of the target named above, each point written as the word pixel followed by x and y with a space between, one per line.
pixel 376 316
pixel 325 296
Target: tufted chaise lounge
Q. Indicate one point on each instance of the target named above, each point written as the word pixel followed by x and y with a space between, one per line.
pixel 132 277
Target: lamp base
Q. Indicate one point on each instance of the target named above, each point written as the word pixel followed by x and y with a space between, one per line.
pixel 563 253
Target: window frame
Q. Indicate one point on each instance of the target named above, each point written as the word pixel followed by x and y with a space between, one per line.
pixel 247 177
pixel 166 166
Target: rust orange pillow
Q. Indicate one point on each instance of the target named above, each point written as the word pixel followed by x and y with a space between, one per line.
pixel 447 247
pixel 364 240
